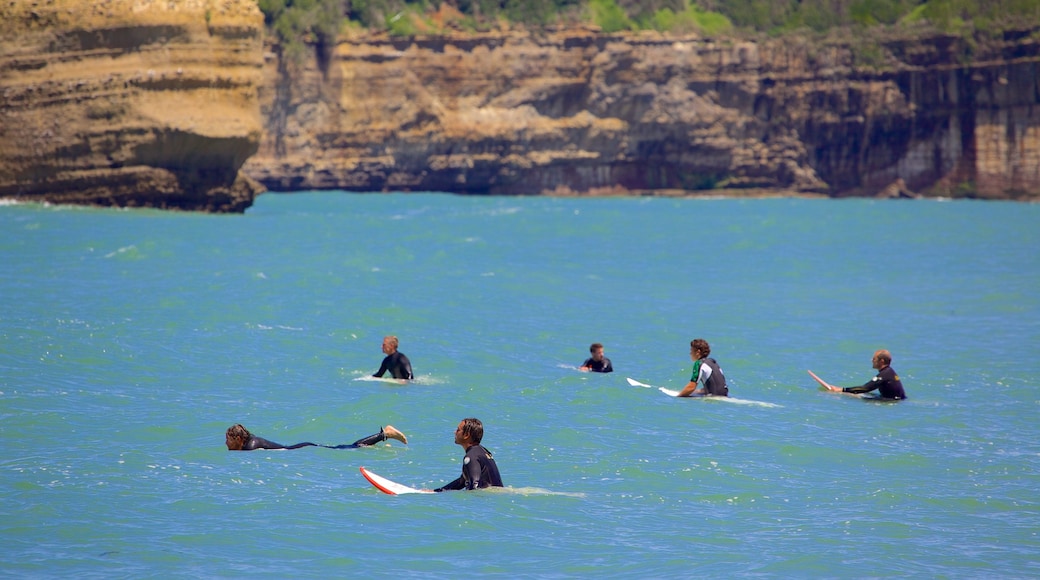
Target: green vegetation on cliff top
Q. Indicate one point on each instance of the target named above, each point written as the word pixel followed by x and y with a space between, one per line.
pixel 296 22
pixel 319 18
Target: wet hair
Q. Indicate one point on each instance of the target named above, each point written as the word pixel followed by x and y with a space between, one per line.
pixel 701 345
pixel 884 356
pixel 237 431
pixel 595 345
pixel 392 339
pixel 472 427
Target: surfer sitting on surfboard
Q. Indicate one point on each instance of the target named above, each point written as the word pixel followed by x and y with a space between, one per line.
pixel 395 362
pixel 478 467
pixel 596 363
pixel 886 382
pixel 706 371
pixel 238 438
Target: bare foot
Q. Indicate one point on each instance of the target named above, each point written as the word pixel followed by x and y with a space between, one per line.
pixel 392 433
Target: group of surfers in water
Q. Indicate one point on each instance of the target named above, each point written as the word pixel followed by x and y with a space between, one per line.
pixel 708 379
pixel 479 469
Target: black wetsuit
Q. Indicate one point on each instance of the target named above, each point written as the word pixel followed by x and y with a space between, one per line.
pixel 602 366
pixel 398 365
pixel 478 470
pixel 886 381
pixel 715 382
pixel 261 443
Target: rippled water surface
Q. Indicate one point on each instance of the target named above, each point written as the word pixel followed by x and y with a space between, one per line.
pixel 133 339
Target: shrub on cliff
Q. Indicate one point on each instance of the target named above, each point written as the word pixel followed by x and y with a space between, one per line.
pixel 690 19
pixel 296 22
pixel 609 16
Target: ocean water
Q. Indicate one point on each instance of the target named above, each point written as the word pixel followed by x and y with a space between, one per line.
pixel 132 339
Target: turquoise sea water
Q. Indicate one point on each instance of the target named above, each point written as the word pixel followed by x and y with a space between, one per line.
pixel 132 339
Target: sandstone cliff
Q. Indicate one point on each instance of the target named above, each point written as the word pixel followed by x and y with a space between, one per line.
pixel 575 112
pixel 130 102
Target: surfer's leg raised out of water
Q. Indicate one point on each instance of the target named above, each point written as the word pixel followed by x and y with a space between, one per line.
pixel 388 432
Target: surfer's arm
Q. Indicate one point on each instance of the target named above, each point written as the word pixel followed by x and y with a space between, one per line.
pixel 381 371
pixel 689 390
pixel 691 387
pixel 255 443
pixel 473 471
pixel 871 385
pixel 453 486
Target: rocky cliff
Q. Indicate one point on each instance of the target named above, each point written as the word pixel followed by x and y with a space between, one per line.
pixel 130 102
pixel 575 112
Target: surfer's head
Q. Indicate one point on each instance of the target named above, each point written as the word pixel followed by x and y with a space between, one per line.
pixel 596 350
pixel 236 437
pixel 699 348
pixel 882 359
pixel 389 344
pixel 470 430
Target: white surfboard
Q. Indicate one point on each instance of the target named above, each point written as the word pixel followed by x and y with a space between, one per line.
pixel 382 380
pixel 733 400
pixel 390 487
pixel 835 389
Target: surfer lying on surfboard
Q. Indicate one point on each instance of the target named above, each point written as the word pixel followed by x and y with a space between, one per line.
pixel 238 438
pixel 478 467
pixel 705 371
pixel 886 382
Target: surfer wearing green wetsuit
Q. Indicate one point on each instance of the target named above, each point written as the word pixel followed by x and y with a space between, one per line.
pixel 706 371
pixel 238 438
pixel 478 467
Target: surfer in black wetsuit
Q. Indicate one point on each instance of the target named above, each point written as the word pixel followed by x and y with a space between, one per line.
pixel 478 467
pixel 706 371
pixel 597 363
pixel 238 438
pixel 395 362
pixel 886 382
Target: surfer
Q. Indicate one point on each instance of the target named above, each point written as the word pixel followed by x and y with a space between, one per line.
pixel 478 467
pixel 238 438
pixel 395 362
pixel 706 371
pixel 886 382
pixel 597 363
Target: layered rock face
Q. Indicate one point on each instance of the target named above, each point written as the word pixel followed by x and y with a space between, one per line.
pixel 576 112
pixel 130 102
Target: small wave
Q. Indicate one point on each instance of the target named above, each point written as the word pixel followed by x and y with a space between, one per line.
pixel 419 380
pixel 259 326
pixel 123 250
pixel 532 491
pixel 745 402
pixel 502 211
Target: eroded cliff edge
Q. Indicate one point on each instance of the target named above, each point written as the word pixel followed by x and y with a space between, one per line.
pixel 575 112
pixel 130 102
